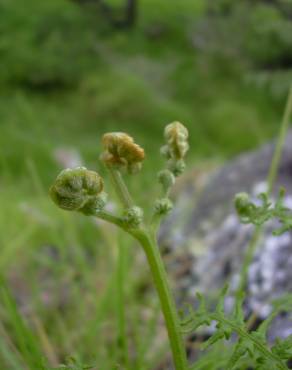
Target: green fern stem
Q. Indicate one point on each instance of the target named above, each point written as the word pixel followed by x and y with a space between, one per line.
pixel 148 241
pixel 166 298
pixel 120 187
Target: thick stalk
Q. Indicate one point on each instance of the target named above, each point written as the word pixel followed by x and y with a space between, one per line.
pixel 166 299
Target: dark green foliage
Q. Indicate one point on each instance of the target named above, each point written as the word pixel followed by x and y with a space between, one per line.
pixel 254 34
pixel 44 44
pixel 261 30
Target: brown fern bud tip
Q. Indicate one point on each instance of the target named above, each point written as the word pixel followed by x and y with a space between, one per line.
pixel 122 151
pixel 78 189
pixel 176 136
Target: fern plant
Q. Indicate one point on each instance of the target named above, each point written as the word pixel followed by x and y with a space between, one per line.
pixel 82 190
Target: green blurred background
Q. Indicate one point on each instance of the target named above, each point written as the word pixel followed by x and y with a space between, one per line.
pixel 72 70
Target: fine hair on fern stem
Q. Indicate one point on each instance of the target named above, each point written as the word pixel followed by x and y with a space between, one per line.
pixel 82 190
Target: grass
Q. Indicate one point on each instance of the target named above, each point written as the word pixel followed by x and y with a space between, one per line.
pixel 59 269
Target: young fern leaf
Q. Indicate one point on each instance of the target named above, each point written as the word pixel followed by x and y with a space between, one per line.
pixel 250 347
pixel 238 314
pixel 223 331
pixel 239 351
pixel 220 309
pixel 283 348
pixel 196 318
pixel 217 336
pixel 250 213
pixel 283 303
pixel 264 326
pixel 214 358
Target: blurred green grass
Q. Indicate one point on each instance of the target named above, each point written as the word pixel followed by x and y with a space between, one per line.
pixel 131 81
pixel 66 78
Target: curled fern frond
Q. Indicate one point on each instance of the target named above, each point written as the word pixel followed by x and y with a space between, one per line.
pixel 176 136
pixel 121 151
pixel 78 189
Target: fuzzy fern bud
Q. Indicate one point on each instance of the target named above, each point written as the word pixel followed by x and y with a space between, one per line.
pixel 133 216
pixel 166 179
pixel 176 136
pixel 78 189
pixel 122 152
pixel 163 206
pixel 177 167
pixel 95 204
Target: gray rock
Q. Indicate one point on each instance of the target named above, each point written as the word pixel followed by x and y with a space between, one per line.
pixel 205 241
